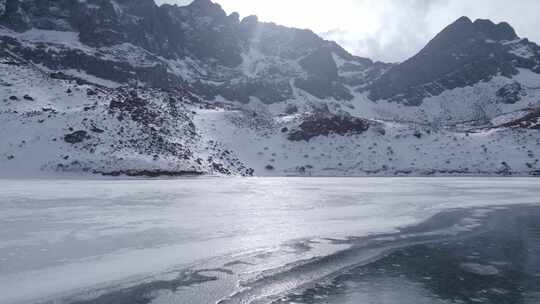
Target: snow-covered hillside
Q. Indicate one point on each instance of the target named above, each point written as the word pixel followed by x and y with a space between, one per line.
pixel 388 147
pixel 228 97
pixel 52 122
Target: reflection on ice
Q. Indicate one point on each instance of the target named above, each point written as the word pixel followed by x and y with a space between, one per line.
pixel 388 291
pixel 495 263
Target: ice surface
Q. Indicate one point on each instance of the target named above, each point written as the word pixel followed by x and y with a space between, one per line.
pixel 59 236
pixel 483 270
pixel 396 291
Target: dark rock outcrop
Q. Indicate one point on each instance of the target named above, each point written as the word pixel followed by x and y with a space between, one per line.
pixel 529 121
pixel 324 124
pixel 510 93
pixel 121 72
pixel 320 63
pixel 269 90
pixel 76 137
pixel 150 173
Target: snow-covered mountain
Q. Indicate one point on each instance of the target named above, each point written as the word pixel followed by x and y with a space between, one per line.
pixel 128 87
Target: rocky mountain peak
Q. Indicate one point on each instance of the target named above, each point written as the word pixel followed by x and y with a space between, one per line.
pixel 203 4
pixel 463 30
pixel 234 17
pixel 462 54
pixel 137 7
pixel 249 22
pixel 206 7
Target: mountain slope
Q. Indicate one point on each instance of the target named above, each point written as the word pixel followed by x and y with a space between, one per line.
pixel 129 87
pixel 58 123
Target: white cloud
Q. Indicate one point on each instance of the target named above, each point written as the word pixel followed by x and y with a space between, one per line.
pixel 388 30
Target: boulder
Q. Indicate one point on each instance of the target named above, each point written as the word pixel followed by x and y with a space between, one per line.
pixel 76 137
pixel 324 124
pixel 510 93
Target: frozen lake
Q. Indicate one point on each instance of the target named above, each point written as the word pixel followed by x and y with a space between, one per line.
pixel 252 240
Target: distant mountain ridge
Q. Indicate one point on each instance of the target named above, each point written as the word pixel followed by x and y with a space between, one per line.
pixel 462 54
pixel 127 86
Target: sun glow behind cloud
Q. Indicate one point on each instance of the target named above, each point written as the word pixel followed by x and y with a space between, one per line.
pixel 387 30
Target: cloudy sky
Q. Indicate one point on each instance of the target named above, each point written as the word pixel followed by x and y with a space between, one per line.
pixel 387 30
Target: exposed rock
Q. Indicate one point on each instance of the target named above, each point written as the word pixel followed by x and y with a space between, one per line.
pixel 321 64
pixel 14 15
pixel 201 31
pixel 323 88
pixel 97 130
pixel 504 169
pixel 324 124
pixel 267 90
pixel 136 107
pixel 529 121
pixel 510 93
pixel 156 75
pixel 76 137
pixel 150 173
pixel 291 109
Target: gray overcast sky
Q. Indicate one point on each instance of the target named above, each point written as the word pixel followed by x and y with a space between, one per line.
pixel 387 30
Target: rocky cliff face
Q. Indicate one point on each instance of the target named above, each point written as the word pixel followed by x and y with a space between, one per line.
pixel 130 87
pixel 232 58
